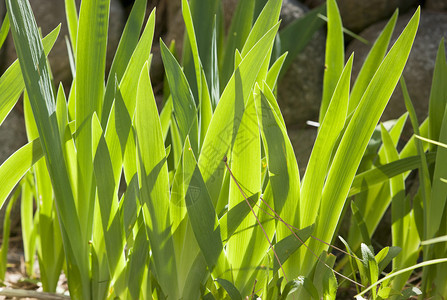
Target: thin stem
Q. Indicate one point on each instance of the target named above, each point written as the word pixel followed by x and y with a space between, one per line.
pixel 257 220
pixel 287 225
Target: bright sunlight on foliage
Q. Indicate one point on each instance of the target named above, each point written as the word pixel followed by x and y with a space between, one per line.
pixel 213 205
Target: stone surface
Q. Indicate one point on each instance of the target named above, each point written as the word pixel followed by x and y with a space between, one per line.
pixel 49 14
pixel 436 4
pixel 300 89
pixel 357 15
pixel 418 72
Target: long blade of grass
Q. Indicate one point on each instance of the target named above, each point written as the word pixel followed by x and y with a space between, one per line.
pixel 237 35
pixel 283 171
pixel 357 135
pixel 90 72
pixel 154 185
pixel 227 116
pixel 372 62
pixel 394 274
pixel 438 131
pixel 319 161
pixel 37 81
pixel 4 30
pixel 126 46
pixel 72 22
pixel 11 82
pixel 334 56
pixel 185 110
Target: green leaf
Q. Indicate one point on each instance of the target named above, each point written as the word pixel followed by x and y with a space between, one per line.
pixel 201 212
pixel 112 229
pixel 438 131
pixel 438 94
pixel 27 223
pixel 371 64
pixel 126 47
pixel 288 245
pixel 185 110
pixel 237 35
pixel 282 168
pixel 319 161
pixel 227 116
pixel 360 223
pixel 377 175
pixel 5 235
pixel 90 73
pixel 4 30
pixel 72 21
pixel 265 21
pixel 335 55
pixel 391 275
pixel 154 185
pixel 301 285
pixel 357 135
pixel 230 289
pixel 11 82
pixel 37 81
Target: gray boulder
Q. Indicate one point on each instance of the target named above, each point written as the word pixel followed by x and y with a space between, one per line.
pixel 300 89
pixel 436 4
pixel 49 14
pixel 418 72
pixel 357 15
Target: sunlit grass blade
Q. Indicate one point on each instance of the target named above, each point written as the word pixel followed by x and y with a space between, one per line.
pixel 37 81
pixel 245 163
pixel 128 88
pixel 11 81
pixel 154 185
pixel 4 30
pixel 335 56
pixel 50 254
pixel 319 161
pixel 185 110
pixel 126 46
pixel 90 73
pixel 438 132
pixel 72 21
pixel 372 62
pixel 273 73
pixel 400 214
pixel 5 235
pixel 265 21
pixel 438 94
pixel 237 35
pixel 112 228
pixel 391 275
pixel 199 18
pixel 283 171
pixel 356 137
pixel 27 223
pixel 228 113
pixel 201 213
pixel 193 50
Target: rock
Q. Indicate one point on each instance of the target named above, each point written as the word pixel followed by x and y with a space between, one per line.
pixel 49 14
pixel 300 89
pixel 436 4
pixel 418 72
pixel 357 15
